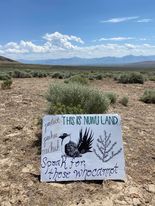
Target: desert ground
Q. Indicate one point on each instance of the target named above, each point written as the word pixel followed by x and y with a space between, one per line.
pixel 20 109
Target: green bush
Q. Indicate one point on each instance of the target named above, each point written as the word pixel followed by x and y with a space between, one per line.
pixel 108 75
pixel 99 76
pixel 58 75
pixel 77 79
pixel 38 74
pixel 63 109
pixel 152 78
pixel 91 77
pixel 75 98
pixel 21 74
pixel 6 84
pixel 4 76
pixel 112 97
pixel 124 101
pixel 67 75
pixel 148 96
pixel 116 77
pixel 131 78
pixel 95 76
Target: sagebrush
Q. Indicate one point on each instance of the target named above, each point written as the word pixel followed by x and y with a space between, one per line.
pixel 112 97
pixel 77 79
pixel 148 96
pixel 6 84
pixel 131 78
pixel 76 99
pixel 124 101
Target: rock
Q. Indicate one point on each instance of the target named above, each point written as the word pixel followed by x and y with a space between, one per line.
pixel 151 188
pixel 153 201
pixel 4 161
pixel 83 201
pixel 14 134
pixel 56 185
pixel 117 186
pixel 13 199
pixel 29 168
pixel 18 127
pixel 30 183
pixel 108 202
pixel 133 190
pixel 16 98
pixel 127 128
pixel 6 203
pixel 120 202
pixel 136 202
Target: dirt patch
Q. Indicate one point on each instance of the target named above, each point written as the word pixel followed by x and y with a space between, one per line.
pixel 20 109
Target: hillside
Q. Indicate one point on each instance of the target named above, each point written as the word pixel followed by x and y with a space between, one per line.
pixel 144 64
pixel 6 60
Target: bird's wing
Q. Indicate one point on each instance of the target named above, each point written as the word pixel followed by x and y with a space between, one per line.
pixel 85 141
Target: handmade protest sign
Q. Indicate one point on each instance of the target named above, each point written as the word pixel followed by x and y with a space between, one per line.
pixel 82 147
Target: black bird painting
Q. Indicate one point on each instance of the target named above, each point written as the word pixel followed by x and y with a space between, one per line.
pixel 83 145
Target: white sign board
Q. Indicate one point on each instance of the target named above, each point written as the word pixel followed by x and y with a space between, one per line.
pixel 82 147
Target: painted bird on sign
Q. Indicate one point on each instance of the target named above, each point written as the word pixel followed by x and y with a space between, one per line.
pixel 84 144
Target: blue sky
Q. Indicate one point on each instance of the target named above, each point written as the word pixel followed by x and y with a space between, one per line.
pixel 40 29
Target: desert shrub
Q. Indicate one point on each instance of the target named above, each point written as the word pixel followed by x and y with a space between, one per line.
pixel 34 73
pixel 6 84
pixel 21 74
pixel 77 79
pixel 75 98
pixel 152 78
pixel 4 76
pixel 67 75
pixel 95 76
pixel 91 77
pixel 148 96
pixel 131 78
pixel 58 75
pixel 38 74
pixel 108 75
pixel 99 76
pixel 112 97
pixel 63 109
pixel 124 78
pixel 116 77
pixel 124 101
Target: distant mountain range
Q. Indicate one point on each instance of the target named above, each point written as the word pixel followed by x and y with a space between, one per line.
pixel 94 61
pixel 132 61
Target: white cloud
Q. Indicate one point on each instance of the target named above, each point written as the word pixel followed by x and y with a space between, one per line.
pixel 119 38
pixel 54 42
pixel 64 46
pixel 142 39
pixel 130 46
pixel 11 45
pixel 120 19
pixel 116 39
pixel 1 51
pixel 31 47
pixel 96 51
pixel 116 50
pixel 23 47
pixel 144 20
pixel 57 39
